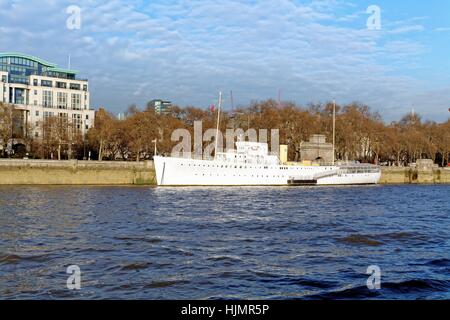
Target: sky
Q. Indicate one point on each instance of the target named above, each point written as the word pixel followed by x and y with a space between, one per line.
pixel 186 51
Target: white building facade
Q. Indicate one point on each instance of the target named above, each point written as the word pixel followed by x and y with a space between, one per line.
pixel 42 90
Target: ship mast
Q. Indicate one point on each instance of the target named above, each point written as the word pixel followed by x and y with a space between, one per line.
pixel 218 123
pixel 334 131
pixel 232 100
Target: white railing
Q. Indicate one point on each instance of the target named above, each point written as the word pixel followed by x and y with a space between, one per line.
pixel 326 174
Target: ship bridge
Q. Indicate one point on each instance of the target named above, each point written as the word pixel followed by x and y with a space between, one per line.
pixel 250 153
pixel 252 148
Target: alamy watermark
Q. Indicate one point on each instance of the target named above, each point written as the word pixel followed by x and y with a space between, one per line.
pixel 73 22
pixel 374 20
pixel 74 280
pixel 374 280
pixel 216 140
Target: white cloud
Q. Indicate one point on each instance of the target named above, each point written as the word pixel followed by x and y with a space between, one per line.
pixel 406 29
pixel 188 50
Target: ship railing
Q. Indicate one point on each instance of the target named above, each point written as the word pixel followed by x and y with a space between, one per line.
pixel 360 169
pixel 326 174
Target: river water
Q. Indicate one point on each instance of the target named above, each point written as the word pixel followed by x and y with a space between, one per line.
pixel 225 243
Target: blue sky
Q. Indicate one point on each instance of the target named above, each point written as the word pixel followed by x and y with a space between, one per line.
pixel 186 51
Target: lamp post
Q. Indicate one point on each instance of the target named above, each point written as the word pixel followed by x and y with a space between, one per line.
pixel 156 150
pixel 84 148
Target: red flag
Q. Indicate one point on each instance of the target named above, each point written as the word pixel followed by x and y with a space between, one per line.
pixel 212 107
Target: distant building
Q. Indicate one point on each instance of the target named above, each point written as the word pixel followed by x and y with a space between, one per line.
pixel 40 90
pixel 161 106
pixel 317 150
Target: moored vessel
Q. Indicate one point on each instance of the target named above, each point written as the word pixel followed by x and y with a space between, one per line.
pixel 251 165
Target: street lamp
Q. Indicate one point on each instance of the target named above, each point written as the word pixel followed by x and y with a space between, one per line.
pixel 156 148
pixel 84 148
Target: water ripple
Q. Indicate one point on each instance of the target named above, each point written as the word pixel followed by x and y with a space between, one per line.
pixel 225 243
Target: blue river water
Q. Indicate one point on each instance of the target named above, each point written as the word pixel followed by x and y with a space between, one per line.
pixel 225 243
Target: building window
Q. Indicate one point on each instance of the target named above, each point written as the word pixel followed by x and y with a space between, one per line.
pixel 76 120
pixel 87 117
pixel 76 101
pixel 4 79
pixel 35 92
pixel 46 83
pixel 61 85
pixel 37 112
pixel 36 134
pixel 75 86
pixel 35 102
pixel 62 100
pixel 47 99
pixel 35 83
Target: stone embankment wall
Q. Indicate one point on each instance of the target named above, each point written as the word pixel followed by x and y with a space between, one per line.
pixel 43 172
pixel 395 175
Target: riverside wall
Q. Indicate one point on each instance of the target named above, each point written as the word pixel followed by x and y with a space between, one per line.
pixel 396 175
pixel 73 172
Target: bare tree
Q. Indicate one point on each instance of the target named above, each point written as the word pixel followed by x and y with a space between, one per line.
pixel 6 125
pixel 102 132
pixel 361 134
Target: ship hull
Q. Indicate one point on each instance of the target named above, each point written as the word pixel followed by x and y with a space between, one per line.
pixel 191 172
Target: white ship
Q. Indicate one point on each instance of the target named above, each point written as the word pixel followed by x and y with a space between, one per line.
pixel 252 165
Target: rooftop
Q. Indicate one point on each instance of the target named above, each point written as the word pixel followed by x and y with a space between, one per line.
pixel 50 67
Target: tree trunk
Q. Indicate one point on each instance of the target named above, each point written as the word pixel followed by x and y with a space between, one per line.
pixel 59 151
pixel 69 153
pixel 100 151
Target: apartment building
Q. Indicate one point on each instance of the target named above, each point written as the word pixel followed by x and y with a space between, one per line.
pixel 40 90
pixel 160 106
